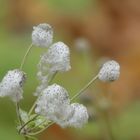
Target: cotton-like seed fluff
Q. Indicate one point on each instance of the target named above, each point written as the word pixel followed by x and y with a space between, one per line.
pixel 12 84
pixel 78 118
pixel 110 71
pixel 42 35
pixel 54 103
pixel 57 58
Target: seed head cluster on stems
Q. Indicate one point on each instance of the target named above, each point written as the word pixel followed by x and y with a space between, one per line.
pixel 53 103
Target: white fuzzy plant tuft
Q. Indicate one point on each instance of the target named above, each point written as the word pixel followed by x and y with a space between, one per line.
pixel 11 85
pixel 42 35
pixel 53 104
pixel 110 71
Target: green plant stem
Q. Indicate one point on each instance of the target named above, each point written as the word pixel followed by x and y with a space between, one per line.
pixel 84 88
pixel 32 134
pixel 30 138
pixel 18 113
pixel 25 56
pixel 53 76
pixel 109 127
pixel 32 108
pixel 23 126
pixel 37 126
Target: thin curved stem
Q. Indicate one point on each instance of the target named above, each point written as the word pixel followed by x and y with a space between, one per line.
pixel 84 88
pixel 22 127
pixel 32 108
pixel 30 137
pixel 18 114
pixel 53 76
pixel 108 126
pixel 32 134
pixel 25 56
pixel 37 126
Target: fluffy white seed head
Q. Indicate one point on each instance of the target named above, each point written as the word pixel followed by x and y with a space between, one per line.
pixel 110 71
pixel 57 58
pixel 12 84
pixel 42 35
pixel 54 104
pixel 79 117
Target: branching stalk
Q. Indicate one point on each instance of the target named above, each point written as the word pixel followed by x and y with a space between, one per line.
pixel 50 124
pixel 25 56
pixel 84 88
pixel 23 126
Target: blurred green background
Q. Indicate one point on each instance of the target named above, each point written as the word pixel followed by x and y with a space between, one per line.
pixel 106 28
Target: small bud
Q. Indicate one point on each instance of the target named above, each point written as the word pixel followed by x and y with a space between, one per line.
pixel 110 71
pixel 42 35
pixel 12 84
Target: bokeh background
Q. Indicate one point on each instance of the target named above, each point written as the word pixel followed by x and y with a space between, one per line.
pixel 95 31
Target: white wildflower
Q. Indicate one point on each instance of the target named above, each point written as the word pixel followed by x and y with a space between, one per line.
pixel 42 35
pixel 12 84
pixel 79 117
pixel 54 104
pixel 110 71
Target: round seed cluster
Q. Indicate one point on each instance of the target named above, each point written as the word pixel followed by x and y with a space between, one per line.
pixel 110 71
pixel 12 84
pixel 42 35
pixel 55 105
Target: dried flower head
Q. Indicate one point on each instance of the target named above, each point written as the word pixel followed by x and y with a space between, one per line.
pixel 12 84
pixel 78 118
pixel 110 71
pixel 42 35
pixel 54 104
pixel 57 58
